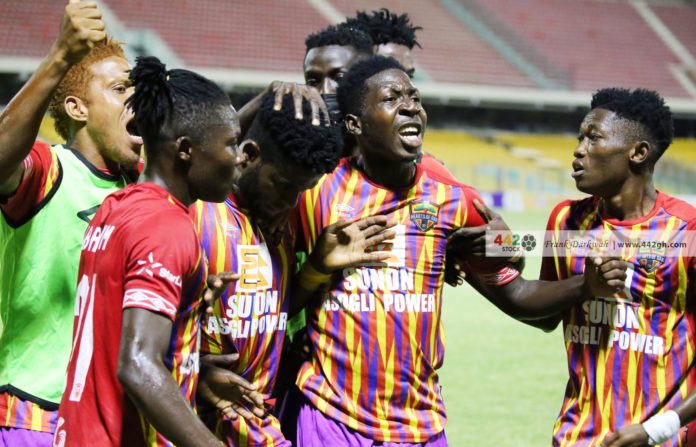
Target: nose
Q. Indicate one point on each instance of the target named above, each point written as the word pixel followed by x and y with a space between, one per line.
pixel 411 107
pixel 580 150
pixel 328 86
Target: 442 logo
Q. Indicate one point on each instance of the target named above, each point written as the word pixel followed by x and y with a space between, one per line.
pixel 507 242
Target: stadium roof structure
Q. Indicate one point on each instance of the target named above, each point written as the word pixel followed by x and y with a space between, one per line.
pixel 491 53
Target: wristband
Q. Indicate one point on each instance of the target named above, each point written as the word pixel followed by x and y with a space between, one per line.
pixel 311 278
pixel 662 427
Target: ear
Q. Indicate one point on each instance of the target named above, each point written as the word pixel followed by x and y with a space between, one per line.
pixel 75 108
pixel 640 152
pixel 184 148
pixel 250 152
pixel 353 124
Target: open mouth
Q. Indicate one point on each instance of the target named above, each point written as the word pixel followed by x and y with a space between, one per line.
pixel 412 135
pixel 132 129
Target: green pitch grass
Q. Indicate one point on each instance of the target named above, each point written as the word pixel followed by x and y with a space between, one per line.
pixel 503 381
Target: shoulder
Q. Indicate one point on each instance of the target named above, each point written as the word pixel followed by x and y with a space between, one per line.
pixel 567 208
pixel 680 209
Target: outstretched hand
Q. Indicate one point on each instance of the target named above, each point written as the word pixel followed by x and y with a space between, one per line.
pixel 628 436
pixel 349 243
pixel 604 276
pixel 216 285
pixel 471 241
pixel 299 91
pixel 81 28
pixel 230 393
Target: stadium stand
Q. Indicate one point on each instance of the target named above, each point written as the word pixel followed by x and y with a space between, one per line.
pixel 450 53
pixel 263 34
pixel 681 20
pixel 28 27
pixel 596 43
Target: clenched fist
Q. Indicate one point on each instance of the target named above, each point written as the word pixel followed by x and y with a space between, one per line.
pixel 80 29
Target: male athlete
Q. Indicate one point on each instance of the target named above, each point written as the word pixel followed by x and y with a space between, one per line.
pixel 393 35
pixel 282 157
pixel 630 354
pixel 47 197
pixel 133 369
pixel 376 337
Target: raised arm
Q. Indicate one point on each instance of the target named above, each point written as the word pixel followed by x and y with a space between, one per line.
pixel 298 91
pixel 80 29
pixel 145 340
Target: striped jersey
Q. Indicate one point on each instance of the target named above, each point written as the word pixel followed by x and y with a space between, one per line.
pixel 630 355
pixel 377 337
pixel 252 314
pixel 140 251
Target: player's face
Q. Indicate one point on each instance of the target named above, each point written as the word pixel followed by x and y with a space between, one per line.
pixel 401 53
pixel 108 119
pixel 271 191
pixel 393 120
pixel 601 164
pixel 324 66
pixel 214 160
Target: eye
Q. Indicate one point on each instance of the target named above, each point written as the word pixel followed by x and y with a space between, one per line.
pixel 120 88
pixel 312 82
pixel 580 138
pixel 416 99
pixel 389 99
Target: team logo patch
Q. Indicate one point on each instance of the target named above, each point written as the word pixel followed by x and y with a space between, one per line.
pixel 424 214
pixel 650 258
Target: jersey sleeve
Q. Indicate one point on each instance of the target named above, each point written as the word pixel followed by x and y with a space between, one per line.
pixel 306 218
pixel 160 253
pixel 491 271
pixel 41 174
pixel 549 270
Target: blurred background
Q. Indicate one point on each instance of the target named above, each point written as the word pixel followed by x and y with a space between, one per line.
pixel 505 84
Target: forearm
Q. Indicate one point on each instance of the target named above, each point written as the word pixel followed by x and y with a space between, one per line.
pixel 151 387
pixel 21 119
pixel 529 300
pixel 307 283
pixel 248 112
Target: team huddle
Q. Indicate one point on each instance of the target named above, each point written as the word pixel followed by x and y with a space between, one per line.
pixel 273 276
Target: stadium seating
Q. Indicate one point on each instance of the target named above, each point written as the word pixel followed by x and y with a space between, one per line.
pixel 598 44
pixel 261 34
pixel 681 20
pixel 28 27
pixel 450 53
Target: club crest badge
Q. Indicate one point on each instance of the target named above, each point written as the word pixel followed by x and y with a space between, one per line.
pixel 424 214
pixel 650 258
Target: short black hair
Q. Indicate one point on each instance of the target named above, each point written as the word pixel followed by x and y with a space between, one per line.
pixel 645 107
pixel 167 103
pixel 285 139
pixel 341 35
pixel 385 27
pixel 351 89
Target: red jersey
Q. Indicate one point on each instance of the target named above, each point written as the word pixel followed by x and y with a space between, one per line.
pixel 140 251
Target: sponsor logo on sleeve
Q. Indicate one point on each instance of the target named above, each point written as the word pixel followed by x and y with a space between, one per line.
pixel 146 299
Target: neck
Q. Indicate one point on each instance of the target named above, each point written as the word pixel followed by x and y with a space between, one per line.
pixel 388 173
pixel 163 172
pixel 85 145
pixel 635 199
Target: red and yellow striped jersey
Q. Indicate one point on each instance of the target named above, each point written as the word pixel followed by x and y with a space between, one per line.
pixel 251 316
pixel 630 355
pixel 377 337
